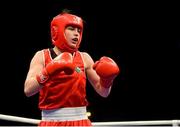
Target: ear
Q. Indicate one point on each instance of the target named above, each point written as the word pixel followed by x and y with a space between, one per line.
pixel 54 33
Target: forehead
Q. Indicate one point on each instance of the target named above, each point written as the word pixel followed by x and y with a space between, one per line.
pixel 73 26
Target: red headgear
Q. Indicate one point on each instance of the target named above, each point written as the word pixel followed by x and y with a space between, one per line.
pixel 58 25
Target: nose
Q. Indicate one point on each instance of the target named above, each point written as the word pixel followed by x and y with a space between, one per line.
pixel 76 32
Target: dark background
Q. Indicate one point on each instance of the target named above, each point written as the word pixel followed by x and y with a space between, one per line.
pixel 143 38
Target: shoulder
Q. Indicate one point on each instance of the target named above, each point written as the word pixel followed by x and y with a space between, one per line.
pixel 38 56
pixel 86 56
pixel 87 59
pixel 39 53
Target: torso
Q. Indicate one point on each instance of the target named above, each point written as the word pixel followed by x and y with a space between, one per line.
pixel 64 90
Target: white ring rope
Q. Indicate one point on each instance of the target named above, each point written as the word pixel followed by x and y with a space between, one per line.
pixel 174 123
pixel 19 119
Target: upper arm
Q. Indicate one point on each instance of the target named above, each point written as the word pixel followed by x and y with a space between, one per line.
pixel 93 77
pixel 91 73
pixel 36 64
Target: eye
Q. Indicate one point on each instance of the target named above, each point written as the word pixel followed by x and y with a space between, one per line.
pixel 79 30
pixel 70 28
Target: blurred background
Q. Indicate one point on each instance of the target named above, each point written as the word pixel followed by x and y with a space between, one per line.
pixel 143 38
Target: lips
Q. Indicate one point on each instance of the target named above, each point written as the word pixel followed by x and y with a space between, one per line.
pixel 75 39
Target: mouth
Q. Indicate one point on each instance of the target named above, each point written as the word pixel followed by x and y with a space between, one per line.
pixel 75 40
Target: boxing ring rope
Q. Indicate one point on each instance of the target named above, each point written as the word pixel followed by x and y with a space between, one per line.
pixel 174 123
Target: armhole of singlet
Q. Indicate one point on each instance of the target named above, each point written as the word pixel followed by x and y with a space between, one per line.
pixel 46 54
pixel 82 61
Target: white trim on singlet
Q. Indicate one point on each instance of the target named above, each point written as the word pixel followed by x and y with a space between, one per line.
pixel 43 54
pixel 83 61
pixel 50 54
pixel 65 114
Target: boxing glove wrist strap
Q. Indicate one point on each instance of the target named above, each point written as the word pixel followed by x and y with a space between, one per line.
pixel 42 77
pixel 106 83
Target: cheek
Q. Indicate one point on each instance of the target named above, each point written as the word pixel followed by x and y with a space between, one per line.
pixel 67 35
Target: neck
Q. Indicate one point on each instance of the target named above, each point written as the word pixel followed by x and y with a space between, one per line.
pixel 57 50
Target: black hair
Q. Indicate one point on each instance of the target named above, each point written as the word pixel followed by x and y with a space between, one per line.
pixel 67 11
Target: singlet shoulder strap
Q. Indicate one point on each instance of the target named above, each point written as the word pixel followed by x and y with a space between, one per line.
pixel 47 56
pixel 78 59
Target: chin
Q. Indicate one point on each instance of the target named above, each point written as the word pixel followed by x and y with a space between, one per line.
pixel 73 46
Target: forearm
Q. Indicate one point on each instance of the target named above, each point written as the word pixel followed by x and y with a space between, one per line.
pixel 31 87
pixel 104 92
pixel 107 70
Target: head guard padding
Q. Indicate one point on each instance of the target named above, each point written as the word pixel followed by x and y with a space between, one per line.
pixel 58 25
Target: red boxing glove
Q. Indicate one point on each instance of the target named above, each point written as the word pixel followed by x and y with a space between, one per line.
pixel 107 69
pixel 63 62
